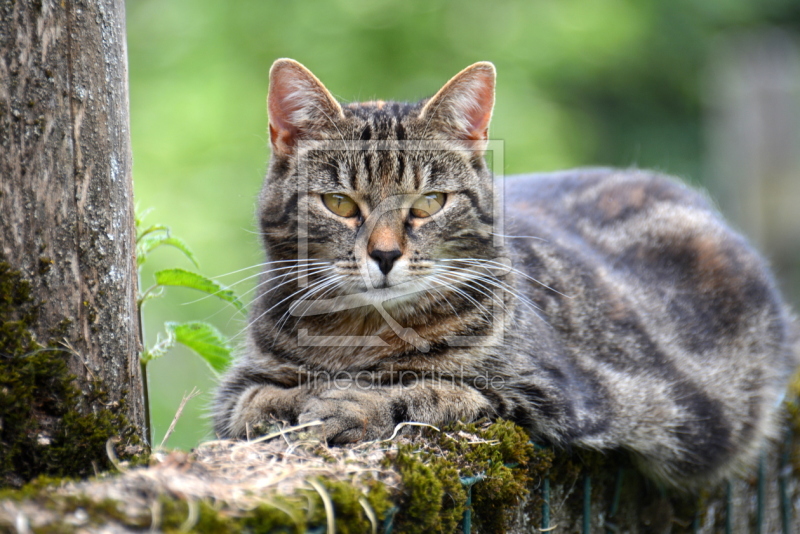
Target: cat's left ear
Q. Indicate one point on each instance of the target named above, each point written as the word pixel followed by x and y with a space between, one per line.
pixel 299 105
pixel 463 107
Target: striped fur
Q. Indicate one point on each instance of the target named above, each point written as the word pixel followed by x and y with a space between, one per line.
pixel 631 316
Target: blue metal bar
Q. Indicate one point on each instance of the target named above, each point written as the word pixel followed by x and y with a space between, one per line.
pixel 610 528
pixel 786 471
pixel 587 504
pixel 466 523
pixel 728 508
pixel 760 495
pixel 546 504
pixel 388 523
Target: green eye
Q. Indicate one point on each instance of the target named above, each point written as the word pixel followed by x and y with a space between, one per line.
pixel 340 204
pixel 427 205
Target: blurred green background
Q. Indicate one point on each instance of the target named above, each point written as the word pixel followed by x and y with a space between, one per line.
pixel 580 82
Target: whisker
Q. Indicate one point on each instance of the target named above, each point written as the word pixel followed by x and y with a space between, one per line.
pixel 256 266
pixel 447 300
pixel 283 280
pixel 204 297
pixel 489 296
pixel 453 287
pixel 293 294
pixel 330 280
pixel 520 236
pixel 511 268
pixel 505 287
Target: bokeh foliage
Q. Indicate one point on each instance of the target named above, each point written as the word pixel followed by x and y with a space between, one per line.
pixel 580 82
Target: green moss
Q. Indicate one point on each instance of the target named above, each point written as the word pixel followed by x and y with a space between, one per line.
pixel 298 513
pixel 280 515
pixel 793 422
pixel 508 462
pixel 792 409
pixel 434 497
pixel 176 516
pixel 33 489
pixel 48 425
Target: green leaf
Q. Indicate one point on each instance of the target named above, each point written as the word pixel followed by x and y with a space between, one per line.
pixel 150 242
pixel 139 216
pixel 152 229
pixel 152 293
pixel 205 340
pixel 184 278
pixel 161 347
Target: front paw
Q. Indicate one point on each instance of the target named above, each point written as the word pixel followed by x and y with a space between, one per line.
pixel 349 416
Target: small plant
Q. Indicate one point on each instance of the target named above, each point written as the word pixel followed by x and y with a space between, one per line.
pixel 202 338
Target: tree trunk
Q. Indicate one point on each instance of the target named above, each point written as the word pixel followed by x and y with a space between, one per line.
pixel 66 214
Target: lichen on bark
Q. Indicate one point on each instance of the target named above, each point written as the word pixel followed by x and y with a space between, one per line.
pixel 47 425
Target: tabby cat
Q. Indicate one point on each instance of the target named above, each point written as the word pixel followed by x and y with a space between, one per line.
pixel 602 308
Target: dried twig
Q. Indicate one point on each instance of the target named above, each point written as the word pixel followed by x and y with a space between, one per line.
pixel 280 433
pixel 186 398
pixel 327 502
pixel 407 423
pixel 373 519
pixel 112 455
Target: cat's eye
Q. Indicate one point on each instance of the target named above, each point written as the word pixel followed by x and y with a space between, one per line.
pixel 340 204
pixel 427 205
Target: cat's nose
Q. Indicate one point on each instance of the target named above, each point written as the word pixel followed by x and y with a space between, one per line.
pixel 385 258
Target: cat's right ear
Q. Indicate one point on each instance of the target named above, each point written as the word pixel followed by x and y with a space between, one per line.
pixel 298 105
pixel 462 108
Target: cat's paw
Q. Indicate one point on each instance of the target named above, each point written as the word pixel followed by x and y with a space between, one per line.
pixel 349 415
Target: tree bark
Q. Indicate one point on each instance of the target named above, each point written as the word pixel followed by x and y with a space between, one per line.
pixel 66 194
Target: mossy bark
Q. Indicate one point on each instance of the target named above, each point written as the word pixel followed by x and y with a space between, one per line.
pixel 66 232
pixel 466 478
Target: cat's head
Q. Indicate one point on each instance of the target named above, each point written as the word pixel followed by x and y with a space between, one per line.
pixel 379 195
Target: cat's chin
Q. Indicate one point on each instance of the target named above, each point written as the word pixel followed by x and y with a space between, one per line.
pixel 382 294
pixel 389 295
pixel 357 295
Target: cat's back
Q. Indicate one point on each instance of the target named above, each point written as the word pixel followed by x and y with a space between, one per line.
pixel 647 291
pixel 642 225
pixel 598 200
pixel 645 249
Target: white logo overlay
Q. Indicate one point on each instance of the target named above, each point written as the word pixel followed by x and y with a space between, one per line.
pixel 379 296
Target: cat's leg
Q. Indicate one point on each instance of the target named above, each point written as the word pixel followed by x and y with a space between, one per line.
pixel 259 403
pixel 355 413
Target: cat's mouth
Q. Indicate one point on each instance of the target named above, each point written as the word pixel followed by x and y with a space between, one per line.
pixel 387 296
pixel 382 284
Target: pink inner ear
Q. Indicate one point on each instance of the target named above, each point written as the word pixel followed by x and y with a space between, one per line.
pixel 284 102
pixel 297 103
pixel 282 139
pixel 464 105
pixel 477 109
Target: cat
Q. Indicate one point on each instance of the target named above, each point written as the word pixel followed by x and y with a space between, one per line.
pixel 611 309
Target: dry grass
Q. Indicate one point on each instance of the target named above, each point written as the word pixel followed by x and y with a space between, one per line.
pixel 234 475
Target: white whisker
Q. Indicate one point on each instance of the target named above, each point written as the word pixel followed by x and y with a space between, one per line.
pixel 501 265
